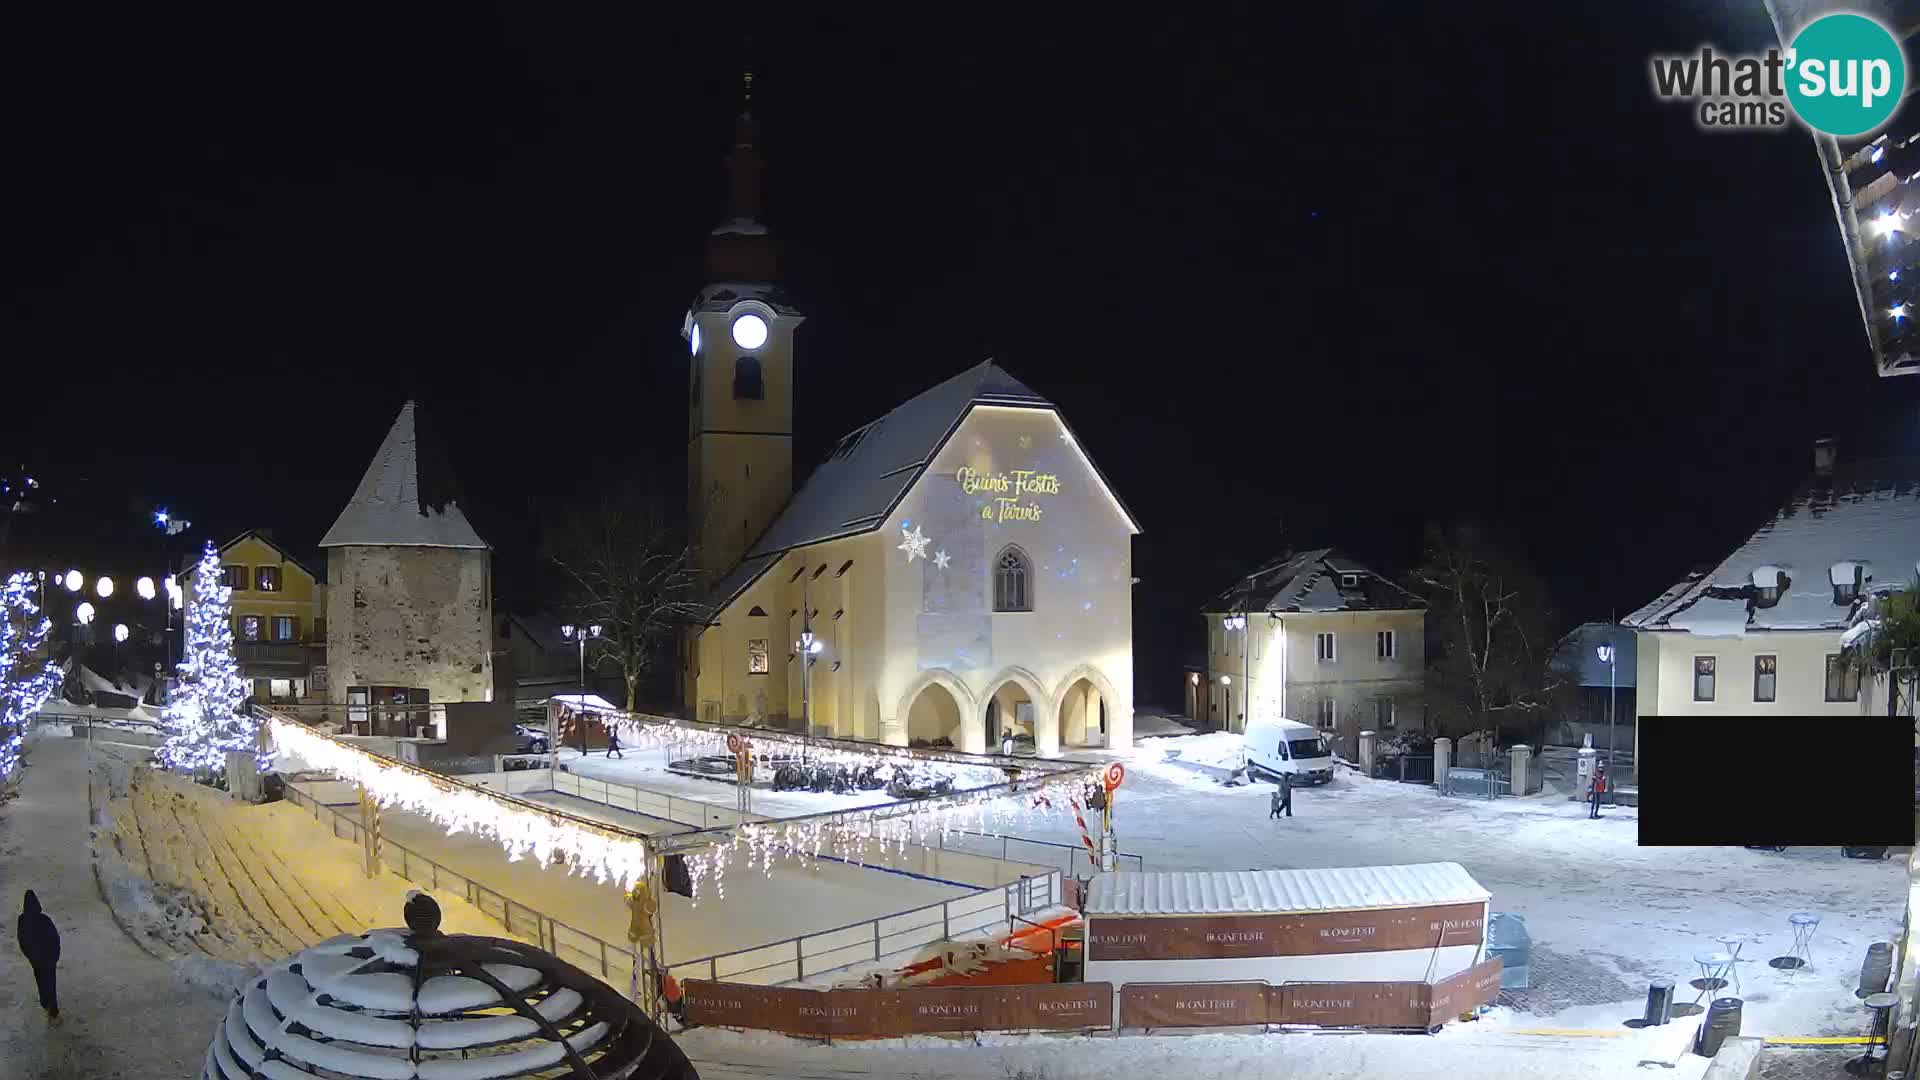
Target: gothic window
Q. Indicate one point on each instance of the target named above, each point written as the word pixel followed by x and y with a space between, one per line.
pixel 1012 581
pixel 746 378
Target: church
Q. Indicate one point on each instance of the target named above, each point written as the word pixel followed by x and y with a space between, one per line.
pixel 955 573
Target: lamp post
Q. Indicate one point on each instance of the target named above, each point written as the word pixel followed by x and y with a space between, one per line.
pixel 808 647
pixel 1607 657
pixel 582 635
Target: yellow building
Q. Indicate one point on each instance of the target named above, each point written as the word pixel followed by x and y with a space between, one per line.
pixel 954 573
pixel 279 618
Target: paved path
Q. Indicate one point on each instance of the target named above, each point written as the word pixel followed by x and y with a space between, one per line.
pixel 127 1015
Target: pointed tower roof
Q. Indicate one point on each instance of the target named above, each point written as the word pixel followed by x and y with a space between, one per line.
pixel 740 248
pixel 408 497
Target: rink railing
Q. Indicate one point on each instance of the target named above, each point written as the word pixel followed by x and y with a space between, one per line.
pixel 989 911
pixel 1072 855
pixel 613 962
pixel 787 960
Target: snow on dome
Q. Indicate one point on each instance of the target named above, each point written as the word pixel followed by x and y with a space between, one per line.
pixel 1857 631
pixel 741 227
pixel 421 1005
pixel 1767 577
pixel 1846 572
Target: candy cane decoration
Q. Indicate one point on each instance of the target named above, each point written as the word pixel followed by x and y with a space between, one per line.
pixel 1085 838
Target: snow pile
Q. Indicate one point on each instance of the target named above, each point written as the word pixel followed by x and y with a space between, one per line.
pixel 220 978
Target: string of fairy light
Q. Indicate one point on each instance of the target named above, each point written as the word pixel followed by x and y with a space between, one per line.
pixel 614 855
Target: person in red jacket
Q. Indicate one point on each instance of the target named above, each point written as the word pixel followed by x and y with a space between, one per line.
pixel 1599 788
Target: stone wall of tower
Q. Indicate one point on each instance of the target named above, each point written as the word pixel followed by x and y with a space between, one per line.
pixel 412 617
pixel 740 458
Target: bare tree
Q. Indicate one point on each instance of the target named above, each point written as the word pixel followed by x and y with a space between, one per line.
pixel 1490 644
pixel 628 566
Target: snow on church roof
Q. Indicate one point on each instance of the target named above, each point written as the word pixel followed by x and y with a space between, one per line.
pixel 1255 892
pixel 408 497
pixel 872 468
pixel 1867 513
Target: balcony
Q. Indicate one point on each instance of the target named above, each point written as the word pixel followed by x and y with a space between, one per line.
pixel 277 654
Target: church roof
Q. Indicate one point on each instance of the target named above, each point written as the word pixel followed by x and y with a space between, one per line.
pixel 408 497
pixel 873 467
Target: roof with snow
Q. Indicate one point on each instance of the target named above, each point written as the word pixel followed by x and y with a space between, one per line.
pixel 1783 577
pixel 266 538
pixel 408 497
pixel 872 468
pixel 1315 581
pixel 1579 654
pixel 1233 892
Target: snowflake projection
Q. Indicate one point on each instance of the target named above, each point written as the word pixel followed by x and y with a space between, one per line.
pixel 28 676
pixel 941 559
pixel 1026 442
pixel 914 544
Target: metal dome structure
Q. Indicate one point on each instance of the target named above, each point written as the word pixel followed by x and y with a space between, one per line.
pixel 416 1004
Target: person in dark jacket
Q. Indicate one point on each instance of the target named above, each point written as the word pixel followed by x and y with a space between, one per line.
pixel 1283 797
pixel 613 745
pixel 40 941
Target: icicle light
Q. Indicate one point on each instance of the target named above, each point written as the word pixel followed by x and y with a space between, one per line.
pixel 520 828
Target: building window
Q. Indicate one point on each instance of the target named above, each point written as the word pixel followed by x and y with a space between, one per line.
pixel 1012 581
pixel 1703 678
pixel 1349 581
pixel 266 579
pixel 1843 680
pixel 1323 648
pixel 1329 713
pixel 757 656
pixel 1383 712
pixel 234 577
pixel 251 627
pixel 285 628
pixel 746 378
pixel 1765 670
pixel 280 690
pixel 1383 644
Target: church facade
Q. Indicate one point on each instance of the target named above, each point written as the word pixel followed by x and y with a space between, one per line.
pixel 955 572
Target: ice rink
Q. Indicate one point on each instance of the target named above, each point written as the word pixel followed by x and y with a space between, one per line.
pixel 756 908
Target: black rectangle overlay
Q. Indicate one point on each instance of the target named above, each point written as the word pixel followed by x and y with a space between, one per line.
pixel 1794 781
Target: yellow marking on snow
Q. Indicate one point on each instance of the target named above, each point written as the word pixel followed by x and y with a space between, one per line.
pixel 1820 1040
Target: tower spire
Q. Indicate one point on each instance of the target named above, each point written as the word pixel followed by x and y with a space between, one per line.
pixel 740 249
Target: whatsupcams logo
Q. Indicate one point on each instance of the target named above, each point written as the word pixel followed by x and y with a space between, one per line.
pixel 1843 75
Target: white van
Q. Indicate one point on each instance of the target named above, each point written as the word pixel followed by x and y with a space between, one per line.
pixel 1273 747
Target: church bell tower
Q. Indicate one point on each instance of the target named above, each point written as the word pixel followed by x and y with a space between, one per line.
pixel 739 332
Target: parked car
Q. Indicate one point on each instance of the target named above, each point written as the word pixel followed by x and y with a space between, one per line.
pixel 533 738
pixel 1272 747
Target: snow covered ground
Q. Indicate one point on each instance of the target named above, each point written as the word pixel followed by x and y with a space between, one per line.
pixel 1606 915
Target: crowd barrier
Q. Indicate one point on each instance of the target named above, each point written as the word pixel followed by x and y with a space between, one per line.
pixel 1405 1005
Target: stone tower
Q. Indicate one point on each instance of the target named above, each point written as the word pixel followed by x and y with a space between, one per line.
pixel 409 598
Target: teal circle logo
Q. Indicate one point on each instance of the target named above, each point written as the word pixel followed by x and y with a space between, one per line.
pixel 1845 74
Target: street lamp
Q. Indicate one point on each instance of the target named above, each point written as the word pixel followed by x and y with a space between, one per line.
pixel 73 581
pixel 84 613
pixel 119 631
pixel 145 588
pixel 1607 656
pixel 808 647
pixel 104 587
pixel 582 635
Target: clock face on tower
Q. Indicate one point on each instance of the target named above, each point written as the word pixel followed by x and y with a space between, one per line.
pixel 693 339
pixel 749 332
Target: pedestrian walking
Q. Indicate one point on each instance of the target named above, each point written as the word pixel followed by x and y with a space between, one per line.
pixel 1599 788
pixel 613 745
pixel 1283 797
pixel 40 941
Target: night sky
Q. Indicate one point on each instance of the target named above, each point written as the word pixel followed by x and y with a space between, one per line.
pixel 1294 284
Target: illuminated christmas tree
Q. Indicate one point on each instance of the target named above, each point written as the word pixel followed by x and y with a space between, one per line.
pixel 27 674
pixel 205 717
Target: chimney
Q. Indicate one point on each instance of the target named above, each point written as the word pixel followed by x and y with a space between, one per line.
pixel 1824 453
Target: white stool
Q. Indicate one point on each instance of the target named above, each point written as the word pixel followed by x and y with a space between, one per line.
pixel 1713 970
